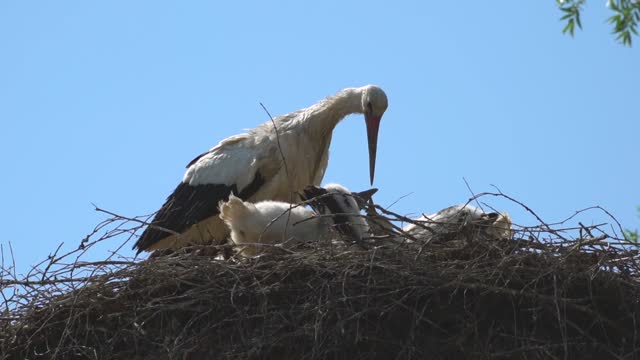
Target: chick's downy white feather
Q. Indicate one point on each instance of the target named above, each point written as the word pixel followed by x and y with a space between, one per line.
pixel 254 225
pixel 270 222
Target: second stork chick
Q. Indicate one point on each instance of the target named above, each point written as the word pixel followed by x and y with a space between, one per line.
pixel 461 221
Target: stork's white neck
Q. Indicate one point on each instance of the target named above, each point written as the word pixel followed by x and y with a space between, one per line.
pixel 322 117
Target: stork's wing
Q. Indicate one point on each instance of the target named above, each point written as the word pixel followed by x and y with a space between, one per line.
pixel 232 166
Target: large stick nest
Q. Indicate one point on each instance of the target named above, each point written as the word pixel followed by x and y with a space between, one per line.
pixel 539 294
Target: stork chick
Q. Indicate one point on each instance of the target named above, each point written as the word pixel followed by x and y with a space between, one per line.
pixel 270 222
pixel 451 222
pixel 343 206
pixel 276 222
pixel 466 220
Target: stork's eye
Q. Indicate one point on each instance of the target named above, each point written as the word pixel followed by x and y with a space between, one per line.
pixel 369 106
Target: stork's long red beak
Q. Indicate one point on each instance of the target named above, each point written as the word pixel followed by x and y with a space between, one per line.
pixel 373 124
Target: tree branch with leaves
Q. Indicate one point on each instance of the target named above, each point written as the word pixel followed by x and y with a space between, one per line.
pixel 624 21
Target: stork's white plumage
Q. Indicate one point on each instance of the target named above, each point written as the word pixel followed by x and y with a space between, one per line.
pixel 278 222
pixel 251 166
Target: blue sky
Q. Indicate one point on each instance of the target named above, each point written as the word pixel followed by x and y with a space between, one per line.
pixel 106 102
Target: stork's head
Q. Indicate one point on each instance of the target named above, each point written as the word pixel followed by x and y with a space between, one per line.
pixel 374 104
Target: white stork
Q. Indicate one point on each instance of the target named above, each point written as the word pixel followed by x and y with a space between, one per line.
pixel 251 166
pixel 278 222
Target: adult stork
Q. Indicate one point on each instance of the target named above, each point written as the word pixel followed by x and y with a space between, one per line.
pixel 274 161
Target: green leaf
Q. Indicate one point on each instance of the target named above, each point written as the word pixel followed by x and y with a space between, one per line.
pixel 614 19
pixel 569 27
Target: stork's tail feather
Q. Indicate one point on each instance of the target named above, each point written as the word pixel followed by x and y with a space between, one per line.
pixel 232 209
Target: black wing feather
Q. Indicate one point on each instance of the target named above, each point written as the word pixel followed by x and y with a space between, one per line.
pixel 188 205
